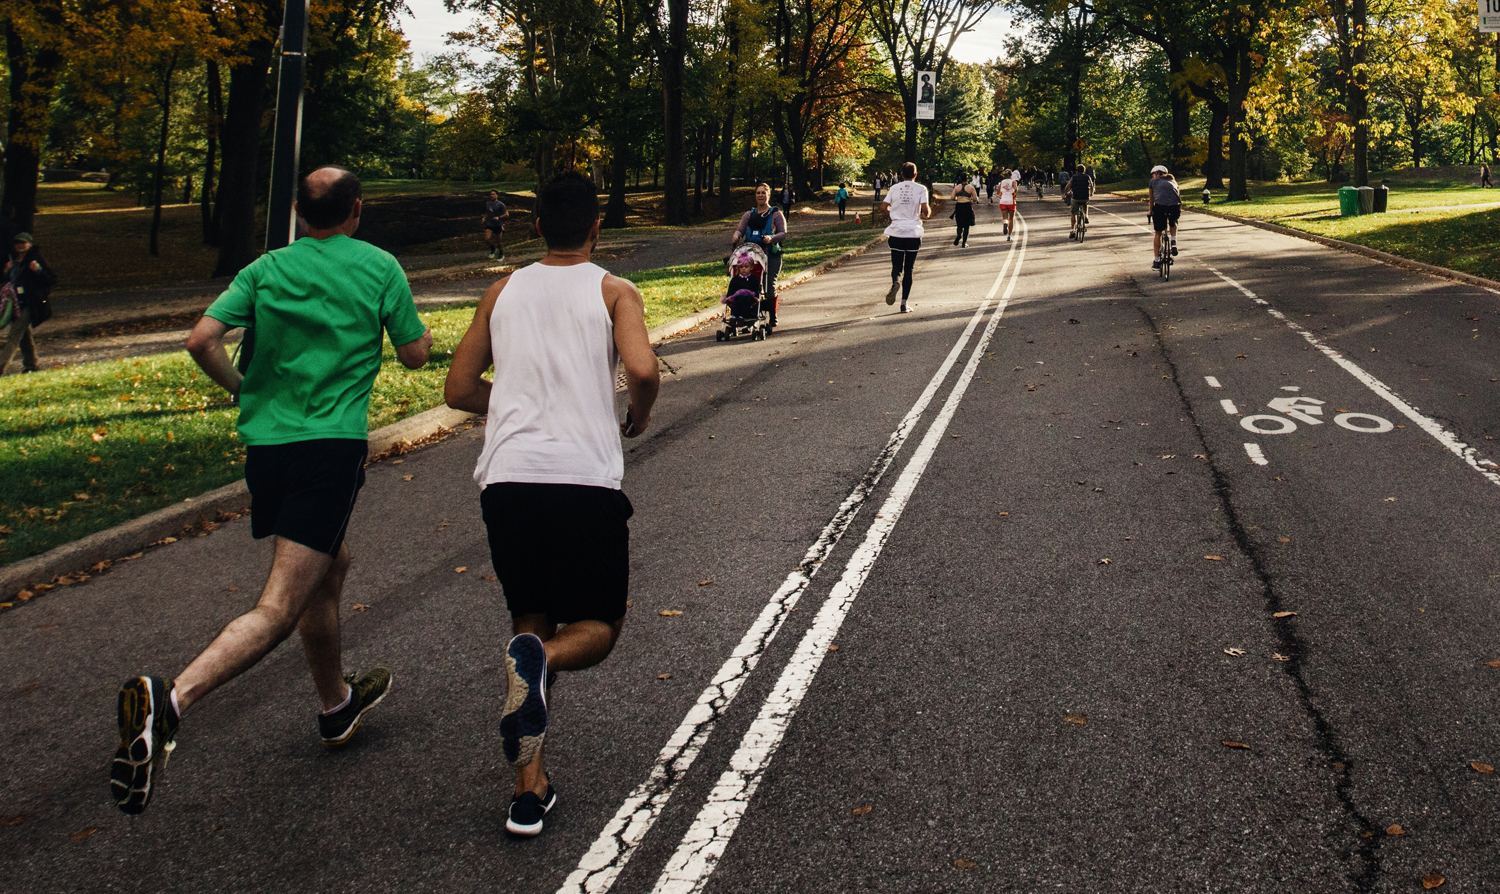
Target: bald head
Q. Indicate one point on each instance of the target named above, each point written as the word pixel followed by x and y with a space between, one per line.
pixel 328 198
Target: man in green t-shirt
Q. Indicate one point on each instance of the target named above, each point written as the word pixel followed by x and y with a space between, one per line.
pixel 319 309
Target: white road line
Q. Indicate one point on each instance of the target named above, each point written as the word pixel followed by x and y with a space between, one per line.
pixel 1256 456
pixel 1431 426
pixel 612 850
pixel 698 854
pixel 1229 407
pixel 1212 382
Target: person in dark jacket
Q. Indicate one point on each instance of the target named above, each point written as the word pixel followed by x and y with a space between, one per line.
pixel 33 280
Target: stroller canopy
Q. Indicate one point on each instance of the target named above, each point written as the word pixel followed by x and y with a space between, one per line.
pixel 748 254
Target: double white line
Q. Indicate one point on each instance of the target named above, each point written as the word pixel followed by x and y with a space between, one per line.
pixel 696 856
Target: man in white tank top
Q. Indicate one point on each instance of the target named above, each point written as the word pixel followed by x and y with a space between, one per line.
pixel 551 465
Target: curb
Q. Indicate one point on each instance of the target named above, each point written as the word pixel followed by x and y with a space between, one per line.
pixel 61 565
pixel 1350 247
pixel 133 536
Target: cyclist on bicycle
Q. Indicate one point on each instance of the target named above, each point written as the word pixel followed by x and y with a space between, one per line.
pixel 1077 192
pixel 1166 208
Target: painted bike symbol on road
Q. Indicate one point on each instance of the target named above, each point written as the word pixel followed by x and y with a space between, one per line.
pixel 1306 410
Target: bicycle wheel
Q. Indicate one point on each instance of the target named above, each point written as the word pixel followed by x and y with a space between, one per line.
pixel 1166 267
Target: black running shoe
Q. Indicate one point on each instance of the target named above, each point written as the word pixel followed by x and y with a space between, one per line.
pixel 365 693
pixel 524 723
pixel 148 732
pixel 1174 248
pixel 527 810
pixel 1156 263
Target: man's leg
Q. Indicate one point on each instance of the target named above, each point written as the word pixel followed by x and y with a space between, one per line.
pixel 28 349
pixel 297 573
pixel 319 627
pixel 13 334
pixel 910 262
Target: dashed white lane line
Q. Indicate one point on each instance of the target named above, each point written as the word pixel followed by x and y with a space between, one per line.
pixel 1458 448
pixel 1212 382
pixel 698 854
pixel 1229 407
pixel 612 850
pixel 1256 456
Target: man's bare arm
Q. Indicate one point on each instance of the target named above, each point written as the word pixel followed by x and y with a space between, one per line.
pixel 206 344
pixel 414 354
pixel 642 375
pixel 466 388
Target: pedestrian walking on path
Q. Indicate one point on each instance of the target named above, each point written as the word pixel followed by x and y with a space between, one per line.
pixel 842 198
pixel 495 215
pixel 1484 178
pixel 318 308
pixel 28 281
pixel 765 225
pixel 907 205
pixel 551 465
pixel 964 196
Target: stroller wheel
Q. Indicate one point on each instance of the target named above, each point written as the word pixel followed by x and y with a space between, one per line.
pixel 719 336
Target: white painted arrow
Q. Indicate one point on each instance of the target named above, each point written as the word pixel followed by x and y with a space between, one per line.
pixel 1299 408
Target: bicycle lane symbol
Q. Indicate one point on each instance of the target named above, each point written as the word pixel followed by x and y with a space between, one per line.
pixel 1297 409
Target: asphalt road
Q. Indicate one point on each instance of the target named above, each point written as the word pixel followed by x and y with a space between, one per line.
pixel 980 598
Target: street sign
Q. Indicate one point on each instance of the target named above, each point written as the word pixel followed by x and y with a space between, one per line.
pixel 927 93
pixel 1078 143
pixel 1489 15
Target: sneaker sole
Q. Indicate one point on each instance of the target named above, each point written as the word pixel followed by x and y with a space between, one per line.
pixel 890 294
pixel 137 759
pixel 354 727
pixel 523 726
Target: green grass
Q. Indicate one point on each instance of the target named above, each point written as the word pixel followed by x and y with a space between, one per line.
pixel 86 447
pixel 1432 217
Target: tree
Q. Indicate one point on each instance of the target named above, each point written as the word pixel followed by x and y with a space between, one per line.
pixel 34 53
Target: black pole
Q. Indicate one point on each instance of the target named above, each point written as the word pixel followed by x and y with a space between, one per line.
pixel 281 223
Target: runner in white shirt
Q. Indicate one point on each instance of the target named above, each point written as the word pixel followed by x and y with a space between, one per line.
pixel 1008 203
pixel 907 205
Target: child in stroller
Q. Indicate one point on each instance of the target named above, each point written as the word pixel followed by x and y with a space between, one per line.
pixel 744 314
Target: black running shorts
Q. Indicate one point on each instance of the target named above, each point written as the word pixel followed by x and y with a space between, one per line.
pixel 1161 215
pixel 905 243
pixel 304 491
pixel 560 550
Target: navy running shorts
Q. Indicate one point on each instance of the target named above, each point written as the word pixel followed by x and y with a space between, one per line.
pixel 305 491
pixel 560 550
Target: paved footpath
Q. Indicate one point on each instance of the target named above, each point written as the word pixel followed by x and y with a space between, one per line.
pixel 1072 580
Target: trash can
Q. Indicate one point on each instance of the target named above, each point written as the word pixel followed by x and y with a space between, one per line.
pixel 1366 200
pixel 1348 201
pixel 1382 196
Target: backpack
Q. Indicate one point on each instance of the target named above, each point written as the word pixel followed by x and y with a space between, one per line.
pixel 759 226
pixel 7 304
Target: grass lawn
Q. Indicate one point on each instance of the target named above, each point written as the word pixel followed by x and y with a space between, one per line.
pixel 1436 216
pixel 86 447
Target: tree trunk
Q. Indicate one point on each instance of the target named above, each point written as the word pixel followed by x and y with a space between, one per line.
pixel 161 154
pixel 673 64
pixel 33 81
pixel 726 160
pixel 215 120
pixel 1213 165
pixel 1238 70
pixel 614 213
pixel 239 180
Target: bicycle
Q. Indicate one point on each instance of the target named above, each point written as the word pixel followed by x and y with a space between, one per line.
pixel 1166 261
pixel 1083 222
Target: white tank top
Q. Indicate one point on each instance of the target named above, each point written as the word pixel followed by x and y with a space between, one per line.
pixel 1007 191
pixel 552 407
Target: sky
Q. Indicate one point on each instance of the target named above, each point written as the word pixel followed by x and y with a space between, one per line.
pixel 429 23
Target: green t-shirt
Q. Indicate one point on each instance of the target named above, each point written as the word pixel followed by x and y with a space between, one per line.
pixel 318 308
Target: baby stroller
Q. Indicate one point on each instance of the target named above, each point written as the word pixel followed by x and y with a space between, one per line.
pixel 744 313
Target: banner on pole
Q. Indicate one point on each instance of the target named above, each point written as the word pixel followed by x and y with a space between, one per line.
pixel 927 88
pixel 1489 16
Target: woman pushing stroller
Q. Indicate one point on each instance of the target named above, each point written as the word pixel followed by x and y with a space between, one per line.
pixel 765 226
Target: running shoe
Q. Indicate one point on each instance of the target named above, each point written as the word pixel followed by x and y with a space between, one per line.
pixel 1156 263
pixel 492 255
pixel 524 723
pixel 527 810
pixel 1072 235
pixel 905 308
pixel 1005 229
pixel 500 259
pixel 148 733
pixel 365 693
pixel 1174 248
pixel 890 294
pixel 955 241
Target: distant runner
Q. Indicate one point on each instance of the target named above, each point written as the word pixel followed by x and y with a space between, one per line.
pixel 1008 203
pixel 319 308
pixel 495 216
pixel 907 205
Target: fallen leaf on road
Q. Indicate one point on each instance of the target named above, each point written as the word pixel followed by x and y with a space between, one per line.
pixel 490 577
pixel 1492 664
pixel 1280 657
pixel 965 864
pixel 833 648
pixel 397 462
pixel 1228 744
pixel 14 820
pixel 861 811
pixel 663 676
pixel 1284 615
pixel 1005 513
pixel 359 607
pixel 1482 768
pixel 406 477
pixel 1395 829
pixel 1235 652
pixel 1239 356
pixel 1214 558
pixel 1103 561
pixel 1432 879
pixel 704 583
pixel 669 613
pixel 1079 719
pixel 1390 499
pixel 461 569
pixel 79 836
pixel 1283 540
